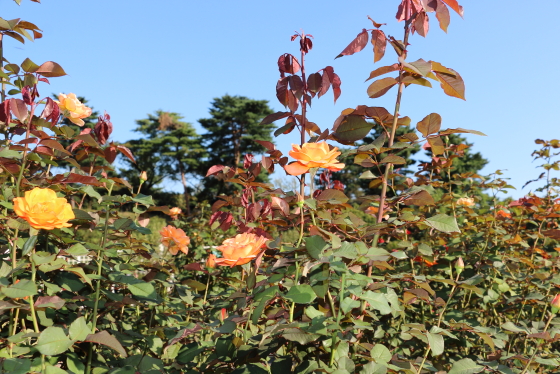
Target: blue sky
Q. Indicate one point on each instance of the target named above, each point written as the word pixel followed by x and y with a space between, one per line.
pixel 131 58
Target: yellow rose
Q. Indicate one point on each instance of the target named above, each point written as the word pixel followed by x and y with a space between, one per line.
pixel 73 109
pixel 313 155
pixel 240 250
pixel 43 210
pixel 175 240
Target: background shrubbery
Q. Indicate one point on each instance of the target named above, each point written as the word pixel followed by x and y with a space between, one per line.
pixel 388 266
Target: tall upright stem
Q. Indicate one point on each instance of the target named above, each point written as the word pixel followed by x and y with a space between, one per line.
pixel 98 283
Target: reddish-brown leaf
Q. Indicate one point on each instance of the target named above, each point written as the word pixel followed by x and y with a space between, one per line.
pixel 420 199
pixel 103 337
pixel 83 179
pixel 380 87
pixel 382 70
pixel 51 111
pixel 288 64
pixel 461 131
pixel 356 45
pixel 379 41
pixel 453 4
pixel 274 117
pixel 442 14
pixel 407 9
pixel 375 24
pixel 103 128
pixel 268 164
pixel 293 102
pixel 452 85
pixel 422 24
pixel 268 145
pixel 125 151
pixel 437 145
pixel 296 86
pixel 430 124
pixel 215 169
pixel 410 79
pixel 439 68
pixel 393 159
pixel 280 204
pixel 282 90
pixel 314 83
pixel 19 109
pixel 51 143
pixel 336 86
pixel 51 69
pixel 552 233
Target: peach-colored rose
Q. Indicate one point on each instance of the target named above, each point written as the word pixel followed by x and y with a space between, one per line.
pixel 174 212
pixel 313 155
pixel 73 109
pixel 211 261
pixel 175 240
pixel 43 210
pixel 143 176
pixel 465 201
pixel 240 250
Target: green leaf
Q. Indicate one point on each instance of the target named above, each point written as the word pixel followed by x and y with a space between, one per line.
pixel 103 337
pixel 54 370
pixel 465 366
pixel 143 199
pixel 264 297
pixel 77 250
pixel 301 294
pixel 377 301
pixel 380 354
pixel 443 223
pixel 16 366
pixel 436 343
pixel 333 196
pixel 79 329
pixel 91 192
pixel 21 289
pixel 348 304
pixel 352 128
pixel 301 337
pixel 53 341
pixel 29 245
pixel 82 214
pixel 315 246
pixel 136 286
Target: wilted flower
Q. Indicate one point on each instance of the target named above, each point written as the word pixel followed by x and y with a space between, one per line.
pixel 174 212
pixel 313 155
pixel 73 109
pixel 211 261
pixel 43 209
pixel 240 250
pixel 175 240
pixel 465 201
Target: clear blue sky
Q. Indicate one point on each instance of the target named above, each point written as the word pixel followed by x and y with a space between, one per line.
pixel 131 58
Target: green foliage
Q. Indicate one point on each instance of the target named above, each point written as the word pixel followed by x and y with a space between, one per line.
pixel 413 280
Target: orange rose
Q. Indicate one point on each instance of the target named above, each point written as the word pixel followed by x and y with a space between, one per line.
pixel 43 210
pixel 211 261
pixel 503 214
pixel 240 250
pixel 313 155
pixel 175 240
pixel 174 212
pixel 73 109
pixel 465 201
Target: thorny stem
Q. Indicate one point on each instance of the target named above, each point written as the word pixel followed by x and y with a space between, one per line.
pixel 98 284
pixel 338 317
pixel 538 346
pixel 25 151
